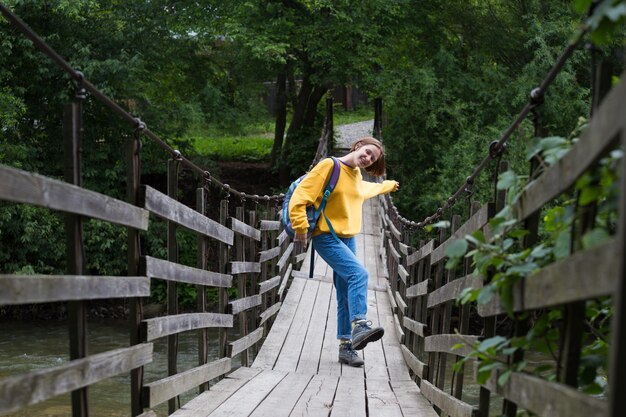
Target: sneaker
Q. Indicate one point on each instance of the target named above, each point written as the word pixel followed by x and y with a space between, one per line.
pixel 362 334
pixel 349 356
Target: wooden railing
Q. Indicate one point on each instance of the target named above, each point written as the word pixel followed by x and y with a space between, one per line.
pixel 251 252
pixel 434 328
pixel 242 246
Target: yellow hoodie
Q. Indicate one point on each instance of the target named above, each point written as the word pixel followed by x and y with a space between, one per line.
pixel 344 207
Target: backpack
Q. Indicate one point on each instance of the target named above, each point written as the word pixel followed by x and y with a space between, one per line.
pixel 311 213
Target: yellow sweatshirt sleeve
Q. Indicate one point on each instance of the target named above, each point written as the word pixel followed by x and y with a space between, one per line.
pixel 308 192
pixel 372 189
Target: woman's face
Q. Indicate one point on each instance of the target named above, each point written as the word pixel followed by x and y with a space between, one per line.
pixel 366 155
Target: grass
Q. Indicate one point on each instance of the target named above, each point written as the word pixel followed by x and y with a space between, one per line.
pixel 253 142
pixel 360 114
pixel 235 148
pixel 250 143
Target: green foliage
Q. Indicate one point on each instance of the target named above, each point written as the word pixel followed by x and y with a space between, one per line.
pixel 360 114
pixel 156 61
pixel 253 149
pixel 33 239
pixel 606 21
pixel 302 144
pixel 455 80
pixel 503 260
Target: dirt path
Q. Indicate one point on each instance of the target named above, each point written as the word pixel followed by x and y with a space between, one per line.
pixel 347 134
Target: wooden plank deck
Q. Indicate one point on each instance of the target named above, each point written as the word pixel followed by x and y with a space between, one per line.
pixel 296 372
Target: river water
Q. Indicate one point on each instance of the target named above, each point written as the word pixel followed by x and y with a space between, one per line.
pixel 30 346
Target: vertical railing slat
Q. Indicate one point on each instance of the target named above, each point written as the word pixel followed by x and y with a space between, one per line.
pixel 134 250
pixel 201 295
pixel 223 254
pixel 73 127
pixel 172 290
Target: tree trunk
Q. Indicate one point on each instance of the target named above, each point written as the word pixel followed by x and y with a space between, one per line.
pixel 303 115
pixel 292 90
pixel 297 118
pixel 281 117
pixel 314 99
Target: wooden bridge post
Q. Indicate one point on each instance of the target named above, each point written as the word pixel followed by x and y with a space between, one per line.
pixel 73 132
pixel 489 323
pixel 464 318
pixel 377 131
pixel 253 282
pixel 240 254
pixel 617 368
pixel 445 277
pixel 410 337
pixel 435 317
pixel 531 224
pixel 223 255
pixel 330 146
pixel 133 176
pixel 201 296
pixel 574 313
pixel 172 291
pixel 264 265
pixel 423 276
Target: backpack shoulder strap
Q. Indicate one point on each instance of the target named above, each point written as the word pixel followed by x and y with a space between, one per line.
pixel 334 176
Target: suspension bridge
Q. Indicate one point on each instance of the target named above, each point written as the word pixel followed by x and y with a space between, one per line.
pixel 285 320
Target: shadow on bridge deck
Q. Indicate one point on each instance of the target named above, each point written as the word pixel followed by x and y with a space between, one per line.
pixel 296 372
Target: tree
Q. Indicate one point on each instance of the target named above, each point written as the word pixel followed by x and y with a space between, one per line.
pixel 318 43
pixel 143 55
pixel 458 75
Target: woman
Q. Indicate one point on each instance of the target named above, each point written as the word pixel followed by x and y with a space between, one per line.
pixel 344 211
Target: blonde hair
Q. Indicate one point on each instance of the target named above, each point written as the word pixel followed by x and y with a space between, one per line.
pixel 377 169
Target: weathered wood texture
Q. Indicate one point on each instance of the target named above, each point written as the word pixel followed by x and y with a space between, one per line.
pixel 171 210
pixel 421 253
pixel 152 329
pixel 476 222
pixel 417 366
pixel 565 281
pixel 269 225
pixel 450 291
pixel 245 230
pixel 267 314
pixel 162 390
pixel 446 402
pixel 246 303
pixel 239 267
pixel 448 343
pixel 172 271
pixel 269 284
pixel 21 390
pixel 28 188
pixel 269 254
pixel 245 342
pixel 546 398
pixel 25 289
pixel 431 292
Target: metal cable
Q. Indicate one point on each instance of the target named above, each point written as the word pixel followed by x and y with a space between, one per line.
pixel 497 147
pixel 108 102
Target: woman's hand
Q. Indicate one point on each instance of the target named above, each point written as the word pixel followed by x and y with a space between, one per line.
pixel 396 186
pixel 300 242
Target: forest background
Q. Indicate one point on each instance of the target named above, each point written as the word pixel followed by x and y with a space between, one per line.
pixel 452 76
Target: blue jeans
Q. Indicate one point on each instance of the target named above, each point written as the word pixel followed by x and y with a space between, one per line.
pixel 350 279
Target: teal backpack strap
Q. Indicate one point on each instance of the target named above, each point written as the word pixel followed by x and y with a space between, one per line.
pixel 330 227
pixel 332 182
pixel 329 189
